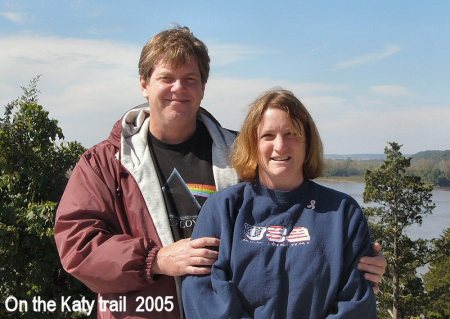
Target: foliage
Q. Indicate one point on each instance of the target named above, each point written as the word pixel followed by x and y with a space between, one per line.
pixel 433 155
pixel 432 166
pixel 401 200
pixel 347 167
pixel 34 169
pixel 437 279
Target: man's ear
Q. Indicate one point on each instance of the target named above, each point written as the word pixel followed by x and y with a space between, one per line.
pixel 203 90
pixel 143 84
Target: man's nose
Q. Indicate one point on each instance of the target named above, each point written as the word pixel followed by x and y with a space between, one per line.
pixel 177 85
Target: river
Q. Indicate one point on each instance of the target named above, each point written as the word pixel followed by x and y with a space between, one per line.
pixel 432 225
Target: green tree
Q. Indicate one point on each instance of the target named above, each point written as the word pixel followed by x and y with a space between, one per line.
pixel 437 279
pixel 34 168
pixel 401 200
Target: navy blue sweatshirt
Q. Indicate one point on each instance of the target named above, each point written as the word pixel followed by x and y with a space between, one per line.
pixel 282 255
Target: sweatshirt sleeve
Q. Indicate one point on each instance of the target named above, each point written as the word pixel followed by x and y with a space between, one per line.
pixel 213 295
pixel 91 233
pixel 355 298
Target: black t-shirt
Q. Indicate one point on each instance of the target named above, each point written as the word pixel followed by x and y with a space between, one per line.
pixel 185 173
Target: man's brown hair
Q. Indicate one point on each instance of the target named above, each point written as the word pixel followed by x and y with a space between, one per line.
pixel 175 46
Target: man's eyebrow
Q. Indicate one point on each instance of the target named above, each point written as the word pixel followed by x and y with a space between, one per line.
pixel 165 72
pixel 169 72
pixel 192 74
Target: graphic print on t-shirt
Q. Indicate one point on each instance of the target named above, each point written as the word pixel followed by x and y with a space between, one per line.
pixel 184 199
pixel 176 186
pixel 185 173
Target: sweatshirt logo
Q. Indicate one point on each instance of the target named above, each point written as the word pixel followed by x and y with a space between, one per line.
pixel 254 233
pixel 276 235
pixel 312 204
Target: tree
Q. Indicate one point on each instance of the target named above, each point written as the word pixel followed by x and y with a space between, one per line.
pixel 401 200
pixel 34 169
pixel 437 279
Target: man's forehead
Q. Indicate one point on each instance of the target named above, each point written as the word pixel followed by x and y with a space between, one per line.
pixel 190 66
pixel 176 63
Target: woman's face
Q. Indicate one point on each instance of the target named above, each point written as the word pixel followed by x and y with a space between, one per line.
pixel 281 151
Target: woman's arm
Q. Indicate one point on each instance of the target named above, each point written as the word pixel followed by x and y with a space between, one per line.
pixel 355 298
pixel 213 295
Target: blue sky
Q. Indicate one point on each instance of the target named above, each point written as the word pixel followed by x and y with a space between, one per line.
pixel 369 71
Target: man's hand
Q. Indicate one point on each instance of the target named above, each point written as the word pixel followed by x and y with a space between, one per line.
pixel 186 256
pixel 374 267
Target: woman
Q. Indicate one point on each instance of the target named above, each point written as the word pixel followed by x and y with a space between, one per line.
pixel 289 247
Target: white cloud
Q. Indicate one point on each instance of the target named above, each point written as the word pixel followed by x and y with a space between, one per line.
pixel 228 98
pixel 346 124
pixel 87 85
pixel 224 54
pixel 391 90
pixel 387 51
pixel 103 31
pixel 319 47
pixel 84 82
pixel 15 17
pixel 368 130
pixel 369 102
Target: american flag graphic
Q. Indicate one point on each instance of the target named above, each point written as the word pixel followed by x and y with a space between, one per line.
pixel 298 234
pixel 254 232
pixel 276 234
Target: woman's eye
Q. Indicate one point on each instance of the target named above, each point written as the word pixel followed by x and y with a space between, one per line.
pixel 292 134
pixel 266 136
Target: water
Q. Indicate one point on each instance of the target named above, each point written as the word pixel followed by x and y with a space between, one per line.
pixel 432 225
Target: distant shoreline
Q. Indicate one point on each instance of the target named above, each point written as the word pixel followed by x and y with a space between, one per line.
pixel 342 179
pixel 359 179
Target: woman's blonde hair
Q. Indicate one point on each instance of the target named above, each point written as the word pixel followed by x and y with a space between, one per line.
pixel 244 156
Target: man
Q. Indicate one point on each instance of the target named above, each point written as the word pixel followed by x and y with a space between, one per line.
pixel 124 222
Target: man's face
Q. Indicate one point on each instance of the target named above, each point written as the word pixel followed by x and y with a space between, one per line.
pixel 174 94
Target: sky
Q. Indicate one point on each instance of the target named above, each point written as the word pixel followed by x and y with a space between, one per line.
pixel 369 72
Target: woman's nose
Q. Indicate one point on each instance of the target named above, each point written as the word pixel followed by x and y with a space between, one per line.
pixel 279 143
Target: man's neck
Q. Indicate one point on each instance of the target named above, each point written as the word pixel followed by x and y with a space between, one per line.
pixel 172 134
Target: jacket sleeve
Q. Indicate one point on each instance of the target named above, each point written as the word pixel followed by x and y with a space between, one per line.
pixel 355 298
pixel 91 232
pixel 213 295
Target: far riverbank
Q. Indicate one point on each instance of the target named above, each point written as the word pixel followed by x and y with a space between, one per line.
pixel 359 179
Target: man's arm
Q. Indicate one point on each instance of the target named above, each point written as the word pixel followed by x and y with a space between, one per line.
pixel 374 267
pixel 90 238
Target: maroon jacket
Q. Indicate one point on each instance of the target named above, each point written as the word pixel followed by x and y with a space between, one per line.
pixel 112 220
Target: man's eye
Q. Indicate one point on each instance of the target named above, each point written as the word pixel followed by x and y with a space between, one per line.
pixel 192 80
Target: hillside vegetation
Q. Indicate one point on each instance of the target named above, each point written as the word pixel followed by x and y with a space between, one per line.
pixel 432 166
